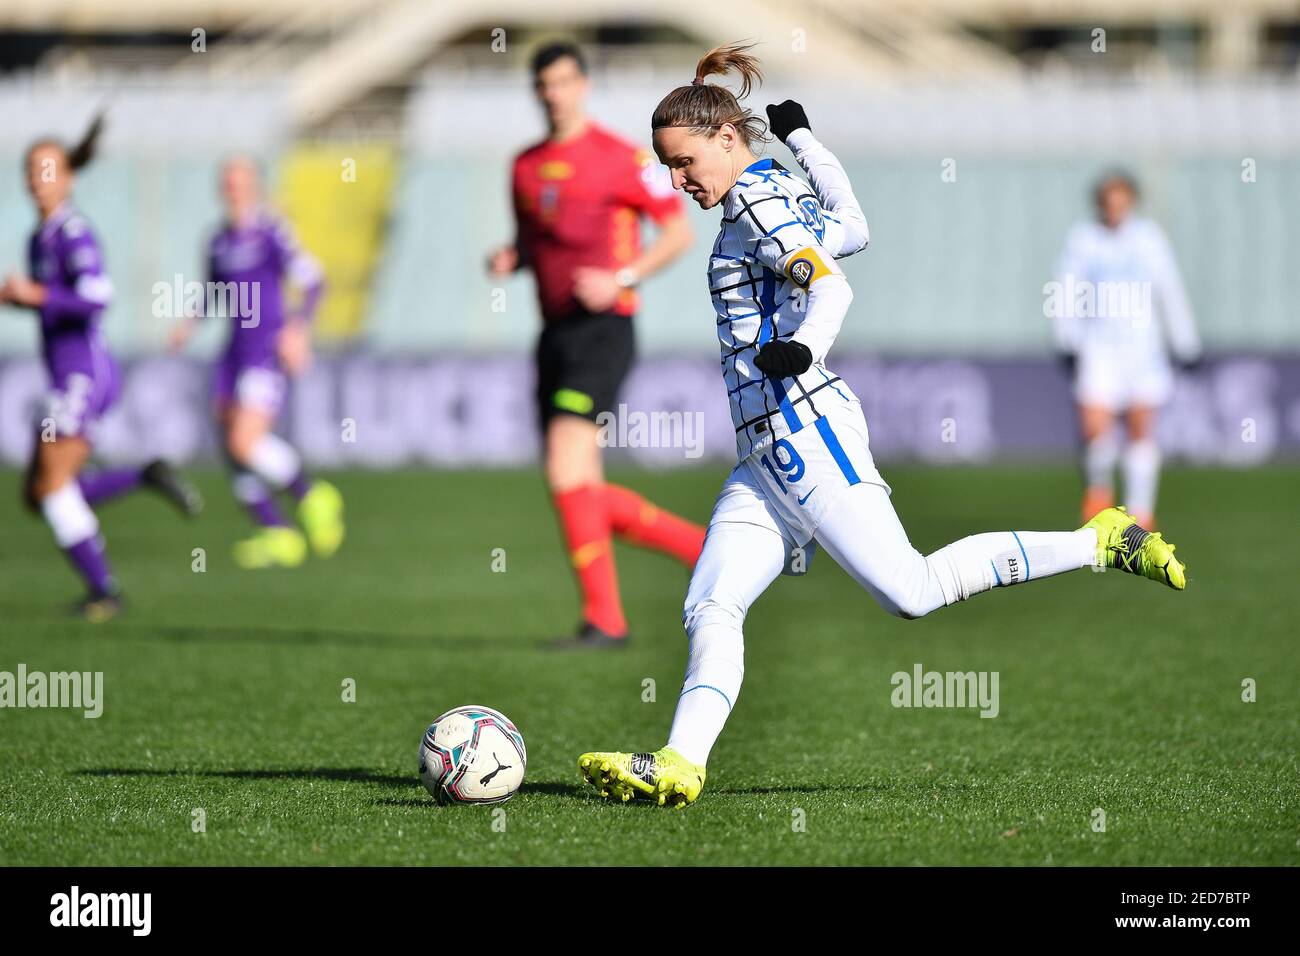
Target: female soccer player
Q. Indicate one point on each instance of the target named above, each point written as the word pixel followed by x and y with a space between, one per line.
pixel 579 196
pixel 249 258
pixel 805 472
pixel 69 290
pixel 1122 312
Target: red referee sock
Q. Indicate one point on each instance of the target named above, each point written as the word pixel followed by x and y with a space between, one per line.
pixel 640 522
pixel 586 531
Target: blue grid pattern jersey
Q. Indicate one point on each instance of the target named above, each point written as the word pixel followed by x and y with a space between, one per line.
pixel 776 239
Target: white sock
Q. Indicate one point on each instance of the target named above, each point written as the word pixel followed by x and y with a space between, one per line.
pixel 1099 458
pixel 274 460
pixel 248 488
pixel 1141 475
pixel 714 672
pixel 68 515
pixel 737 564
pixel 1003 558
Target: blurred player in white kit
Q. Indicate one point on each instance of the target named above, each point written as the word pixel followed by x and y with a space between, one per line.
pixel 1122 322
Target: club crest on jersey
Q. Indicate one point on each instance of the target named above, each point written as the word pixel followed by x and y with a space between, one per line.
pixel 555 169
pixel 812 217
pixel 801 271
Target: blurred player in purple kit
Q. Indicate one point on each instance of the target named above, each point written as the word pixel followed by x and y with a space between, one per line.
pixel 249 258
pixel 69 289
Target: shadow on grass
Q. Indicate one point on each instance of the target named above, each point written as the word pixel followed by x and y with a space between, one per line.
pixel 411 802
pixel 206 634
pixel 587 794
pixel 346 774
pixel 225 634
pixel 904 788
pixel 554 789
pixel 547 789
pixel 819 788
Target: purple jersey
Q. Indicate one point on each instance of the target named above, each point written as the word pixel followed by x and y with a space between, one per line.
pixel 64 256
pixel 247 266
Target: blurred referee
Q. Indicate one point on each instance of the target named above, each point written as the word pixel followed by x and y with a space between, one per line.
pixel 579 198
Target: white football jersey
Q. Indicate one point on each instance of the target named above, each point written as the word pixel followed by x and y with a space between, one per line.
pixel 776 238
pixel 1120 288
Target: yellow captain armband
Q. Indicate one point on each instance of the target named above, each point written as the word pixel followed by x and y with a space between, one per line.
pixel 806 266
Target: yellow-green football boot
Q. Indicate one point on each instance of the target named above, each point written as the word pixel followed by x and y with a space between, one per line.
pixel 321 515
pixel 1124 544
pixel 665 777
pixel 271 548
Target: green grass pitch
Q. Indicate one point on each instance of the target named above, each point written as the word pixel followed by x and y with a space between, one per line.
pixel 223 691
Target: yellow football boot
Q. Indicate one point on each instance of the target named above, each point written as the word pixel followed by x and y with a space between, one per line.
pixel 321 515
pixel 271 548
pixel 665 777
pixel 1123 543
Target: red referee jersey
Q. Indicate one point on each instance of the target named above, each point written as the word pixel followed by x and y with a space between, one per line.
pixel 579 203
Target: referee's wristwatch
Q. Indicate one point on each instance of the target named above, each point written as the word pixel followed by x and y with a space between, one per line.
pixel 625 278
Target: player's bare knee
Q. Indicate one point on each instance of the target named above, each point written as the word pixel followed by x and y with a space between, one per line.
pixel 572 456
pixel 568 470
pixel 562 477
pixel 42 484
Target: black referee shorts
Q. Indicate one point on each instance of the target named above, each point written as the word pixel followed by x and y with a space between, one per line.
pixel 582 360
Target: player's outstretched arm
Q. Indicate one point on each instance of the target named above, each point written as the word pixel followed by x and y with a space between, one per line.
pixel 847 231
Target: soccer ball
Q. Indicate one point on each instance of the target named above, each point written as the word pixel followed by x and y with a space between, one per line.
pixel 472 754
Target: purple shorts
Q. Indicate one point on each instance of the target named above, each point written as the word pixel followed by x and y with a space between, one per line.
pixel 79 397
pixel 260 386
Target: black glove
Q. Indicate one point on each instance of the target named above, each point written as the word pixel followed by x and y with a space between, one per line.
pixel 784 118
pixel 1069 361
pixel 779 359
